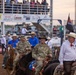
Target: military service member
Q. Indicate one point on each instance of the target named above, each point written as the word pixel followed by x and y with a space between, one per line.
pixel 40 52
pixel 23 48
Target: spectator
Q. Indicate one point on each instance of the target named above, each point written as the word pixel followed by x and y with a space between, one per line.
pixel 48 39
pixel 3 43
pixel 33 40
pixel 8 2
pixel 24 30
pixel 44 5
pixel 38 6
pixel 32 5
pixel 9 38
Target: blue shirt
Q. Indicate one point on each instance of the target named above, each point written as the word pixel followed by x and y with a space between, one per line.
pixel 13 43
pixel 33 41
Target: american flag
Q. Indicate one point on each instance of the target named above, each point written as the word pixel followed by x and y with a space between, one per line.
pixel 69 25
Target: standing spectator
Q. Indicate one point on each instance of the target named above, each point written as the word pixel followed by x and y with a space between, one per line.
pixel 9 38
pixel 68 53
pixel 32 5
pixel 19 30
pixel 16 1
pixel 44 5
pixel 48 39
pixel 8 2
pixel 38 6
pixel 33 40
pixel 3 43
pixel 39 53
pixel 24 30
pixel 55 41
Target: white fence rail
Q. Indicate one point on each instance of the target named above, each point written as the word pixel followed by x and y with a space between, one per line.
pixel 24 9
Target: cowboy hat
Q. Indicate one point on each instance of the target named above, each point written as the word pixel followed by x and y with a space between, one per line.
pixel 14 34
pixel 48 38
pixel 24 26
pixel 71 34
pixel 33 33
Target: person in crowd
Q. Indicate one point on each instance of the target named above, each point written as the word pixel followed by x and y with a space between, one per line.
pixel 48 39
pixel 24 30
pixel 67 54
pixel 38 6
pixel 54 41
pixel 32 5
pixel 3 43
pixel 44 5
pixel 40 52
pixel 12 43
pixel 23 48
pixel 9 38
pixel 33 40
pixel 19 30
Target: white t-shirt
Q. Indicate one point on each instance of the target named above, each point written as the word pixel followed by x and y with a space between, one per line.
pixel 55 41
pixel 24 30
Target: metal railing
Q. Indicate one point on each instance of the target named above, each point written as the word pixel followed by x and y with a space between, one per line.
pixel 24 9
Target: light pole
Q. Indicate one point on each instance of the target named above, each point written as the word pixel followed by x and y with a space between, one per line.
pixel 2 23
pixel 51 16
pixel 75 12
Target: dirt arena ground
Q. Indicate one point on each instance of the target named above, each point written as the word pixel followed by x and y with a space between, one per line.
pixel 2 71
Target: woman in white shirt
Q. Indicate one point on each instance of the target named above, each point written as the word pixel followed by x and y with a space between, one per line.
pixel 67 54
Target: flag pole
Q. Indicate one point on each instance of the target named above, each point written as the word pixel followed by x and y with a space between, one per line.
pixel 64 30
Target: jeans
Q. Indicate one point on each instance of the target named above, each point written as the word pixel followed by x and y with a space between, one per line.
pixel 6 56
pixel 67 67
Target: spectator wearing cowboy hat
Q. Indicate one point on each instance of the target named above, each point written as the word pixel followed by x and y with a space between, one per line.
pixel 33 40
pixel 48 39
pixel 67 54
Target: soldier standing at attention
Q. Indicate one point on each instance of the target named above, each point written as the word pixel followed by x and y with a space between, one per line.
pixel 40 52
pixel 23 48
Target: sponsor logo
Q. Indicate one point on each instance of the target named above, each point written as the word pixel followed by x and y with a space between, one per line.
pixel 16 17
pixel 27 17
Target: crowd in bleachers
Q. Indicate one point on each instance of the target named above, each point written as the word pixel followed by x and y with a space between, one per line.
pixel 32 6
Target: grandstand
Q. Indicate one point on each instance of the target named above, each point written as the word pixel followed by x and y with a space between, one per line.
pixel 13 11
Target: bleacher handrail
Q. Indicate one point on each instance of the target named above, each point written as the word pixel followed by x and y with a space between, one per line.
pixel 24 9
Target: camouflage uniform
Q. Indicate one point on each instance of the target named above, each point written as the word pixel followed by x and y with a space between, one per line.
pixel 40 50
pixel 22 48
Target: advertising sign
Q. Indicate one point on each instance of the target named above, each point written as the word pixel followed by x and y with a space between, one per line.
pixel 8 18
